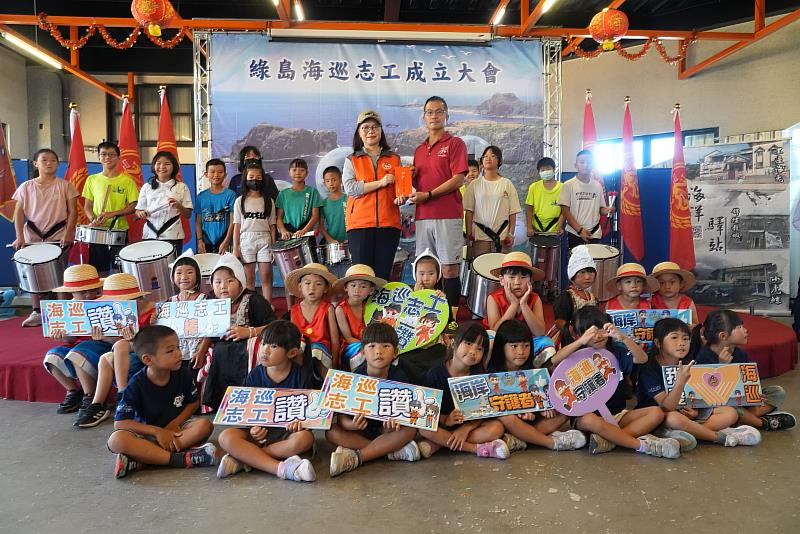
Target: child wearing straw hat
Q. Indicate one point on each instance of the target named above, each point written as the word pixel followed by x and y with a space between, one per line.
pixel 673 283
pixel 314 315
pixel 121 363
pixel 631 281
pixel 82 281
pixel 515 298
pixel 358 284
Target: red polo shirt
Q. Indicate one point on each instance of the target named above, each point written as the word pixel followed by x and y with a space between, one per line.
pixel 435 165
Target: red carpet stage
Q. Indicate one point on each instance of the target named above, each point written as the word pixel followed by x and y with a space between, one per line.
pixel 22 377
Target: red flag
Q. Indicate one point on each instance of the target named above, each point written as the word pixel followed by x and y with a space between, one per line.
pixel 681 242
pixel 8 183
pixel 166 141
pixel 589 140
pixel 77 172
pixel 630 207
pixel 131 163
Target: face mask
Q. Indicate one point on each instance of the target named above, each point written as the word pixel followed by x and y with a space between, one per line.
pixel 547 175
pixel 253 185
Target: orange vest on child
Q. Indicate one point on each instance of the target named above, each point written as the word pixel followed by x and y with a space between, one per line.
pixel 614 304
pixel 499 296
pixel 657 302
pixel 356 324
pixel 317 329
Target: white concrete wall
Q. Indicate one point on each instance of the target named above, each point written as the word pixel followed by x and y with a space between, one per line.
pixel 755 89
pixel 13 101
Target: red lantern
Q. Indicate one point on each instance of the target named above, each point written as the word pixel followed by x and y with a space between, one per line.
pixel 608 27
pixel 153 13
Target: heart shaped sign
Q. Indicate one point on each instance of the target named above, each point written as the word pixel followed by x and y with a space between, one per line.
pixel 713 380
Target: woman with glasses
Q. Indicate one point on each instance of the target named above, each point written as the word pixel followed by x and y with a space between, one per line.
pixel 372 214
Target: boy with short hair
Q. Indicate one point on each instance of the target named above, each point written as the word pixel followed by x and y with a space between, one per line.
pixel 109 196
pixel 629 284
pixel 542 210
pixel 153 422
pixel 582 203
pixel 331 220
pixel 214 207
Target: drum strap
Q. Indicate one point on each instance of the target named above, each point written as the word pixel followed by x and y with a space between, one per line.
pixel 494 236
pixel 164 227
pixel 44 235
pixel 542 226
pixel 595 228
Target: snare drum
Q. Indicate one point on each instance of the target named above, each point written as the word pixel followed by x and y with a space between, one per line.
pixel 464 273
pixel 206 262
pixel 98 235
pixel 149 262
pixel 399 265
pixel 482 281
pixel 40 267
pixel 336 256
pixel 607 259
pixel 546 254
pixel 293 254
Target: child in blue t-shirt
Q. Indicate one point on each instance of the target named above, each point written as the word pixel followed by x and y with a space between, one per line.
pixel 214 209
pixel 283 364
pixel 298 206
pixel 153 422
pixel 686 424
pixel 724 333
pixel 359 439
pixel 592 327
pixel 481 436
pixel 331 220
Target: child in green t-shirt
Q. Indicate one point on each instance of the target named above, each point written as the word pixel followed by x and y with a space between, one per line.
pixel 331 223
pixel 298 206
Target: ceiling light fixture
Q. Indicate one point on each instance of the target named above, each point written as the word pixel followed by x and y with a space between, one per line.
pixel 31 50
pixel 547 5
pixel 298 11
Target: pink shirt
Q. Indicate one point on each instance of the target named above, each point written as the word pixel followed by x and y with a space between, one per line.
pixel 45 205
pixel 435 165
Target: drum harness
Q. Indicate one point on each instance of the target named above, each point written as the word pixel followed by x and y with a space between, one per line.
pixel 494 236
pixel 44 235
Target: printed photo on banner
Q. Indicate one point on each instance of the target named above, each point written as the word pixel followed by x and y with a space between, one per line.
pixel 638 324
pixel 733 384
pixel 419 319
pixel 77 317
pixel 195 318
pixel 496 394
pixel 380 399
pixel 584 382
pixel 243 406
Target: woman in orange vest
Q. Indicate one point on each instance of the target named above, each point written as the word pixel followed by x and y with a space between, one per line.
pixel 372 215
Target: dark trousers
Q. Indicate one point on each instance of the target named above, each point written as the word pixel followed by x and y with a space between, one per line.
pixel 574 240
pixel 375 247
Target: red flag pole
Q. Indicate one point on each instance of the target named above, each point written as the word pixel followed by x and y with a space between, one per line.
pixel 589 141
pixel 166 142
pixel 681 241
pixel 630 212
pixel 8 182
pixel 131 163
pixel 77 173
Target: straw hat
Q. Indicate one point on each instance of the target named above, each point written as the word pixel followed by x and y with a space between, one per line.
pixel 632 269
pixel 670 267
pixel 366 115
pixel 427 253
pixel 82 277
pixel 121 286
pixel 359 271
pixel 519 259
pixel 292 281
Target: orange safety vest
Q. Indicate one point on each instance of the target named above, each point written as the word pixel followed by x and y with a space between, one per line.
pixel 376 209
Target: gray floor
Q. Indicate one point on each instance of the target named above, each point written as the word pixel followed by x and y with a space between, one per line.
pixel 58 479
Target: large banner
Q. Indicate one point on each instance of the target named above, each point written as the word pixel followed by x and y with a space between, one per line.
pixel 739 201
pixel 299 99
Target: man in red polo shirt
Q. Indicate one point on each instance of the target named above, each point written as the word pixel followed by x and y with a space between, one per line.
pixel 440 165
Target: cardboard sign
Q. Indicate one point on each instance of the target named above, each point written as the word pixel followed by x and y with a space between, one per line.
pixel 402 184
pixel 196 318
pixel 584 382
pixel 733 384
pixel 497 394
pixel 383 400
pixel 386 303
pixel 638 324
pixel 420 318
pixel 77 317
pixel 242 406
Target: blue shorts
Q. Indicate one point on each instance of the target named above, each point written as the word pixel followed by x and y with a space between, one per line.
pixel 84 355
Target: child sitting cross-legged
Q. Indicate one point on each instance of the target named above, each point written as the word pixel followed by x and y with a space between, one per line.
pixel 360 439
pixel 153 424
pixel 283 363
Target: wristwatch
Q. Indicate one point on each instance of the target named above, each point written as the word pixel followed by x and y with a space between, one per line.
pixel 430 195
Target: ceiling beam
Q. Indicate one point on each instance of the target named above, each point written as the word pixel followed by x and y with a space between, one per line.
pixel 684 73
pixel 284 9
pixel 575 42
pixel 534 17
pixel 391 10
pixel 760 14
pixel 500 7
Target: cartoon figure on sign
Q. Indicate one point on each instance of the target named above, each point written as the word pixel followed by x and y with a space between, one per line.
pixel 566 394
pixel 665 314
pixel 603 365
pixel 431 412
pixel 522 380
pixel 389 316
pixel 692 400
pixel 538 397
pixel 738 395
pixel 425 327
pixel 415 411
pixel 642 318
pixel 495 383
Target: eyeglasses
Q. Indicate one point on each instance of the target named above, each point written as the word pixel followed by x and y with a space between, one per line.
pixel 435 112
pixel 366 129
pixel 107 155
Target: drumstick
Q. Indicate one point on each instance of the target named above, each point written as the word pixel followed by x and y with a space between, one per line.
pixel 105 199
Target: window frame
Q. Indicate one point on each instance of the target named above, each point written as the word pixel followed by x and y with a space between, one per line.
pixel 113 114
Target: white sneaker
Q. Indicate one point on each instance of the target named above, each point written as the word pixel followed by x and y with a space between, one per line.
pixel 343 460
pixel 408 453
pixel 229 466
pixel 34 319
pixel 569 440
pixel 661 447
pixel 297 469
pixel 514 443
pixel 741 435
pixel 687 441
